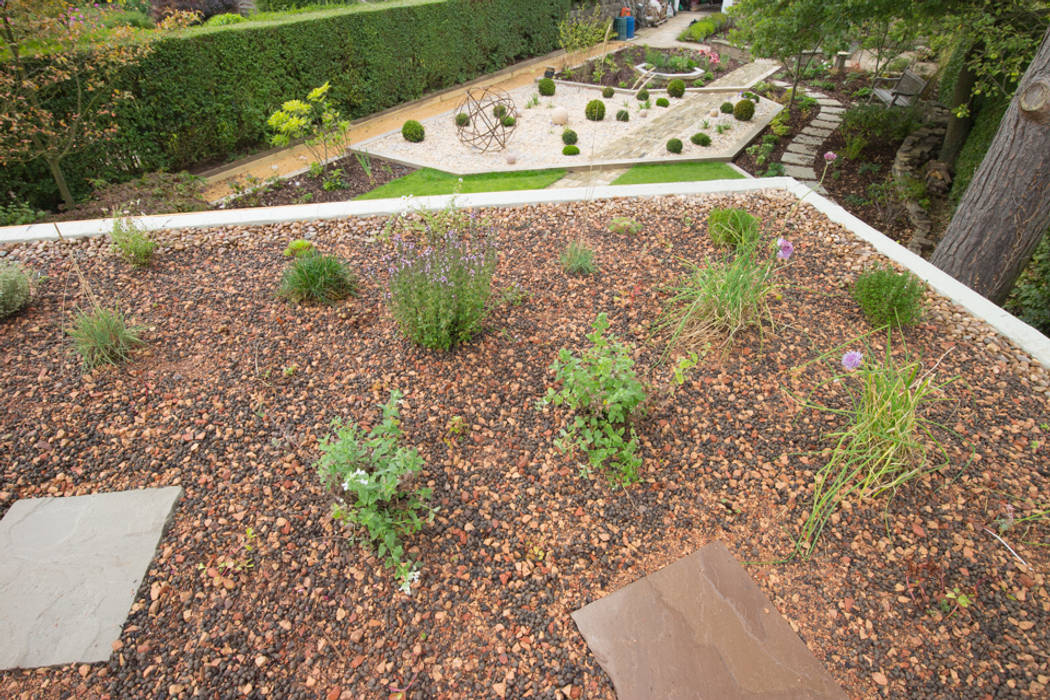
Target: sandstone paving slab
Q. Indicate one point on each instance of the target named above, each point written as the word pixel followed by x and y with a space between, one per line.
pixel 799 172
pixel 69 572
pixel 816 131
pixel 700 628
pixel 796 158
pixel 824 123
pixel 807 140
pixel 802 148
pixel 828 102
pixel 830 109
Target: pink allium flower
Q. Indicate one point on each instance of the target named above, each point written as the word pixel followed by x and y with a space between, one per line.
pixel 852 359
pixel 830 156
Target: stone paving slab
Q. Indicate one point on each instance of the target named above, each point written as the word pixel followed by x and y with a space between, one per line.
pixel 807 140
pixel 828 102
pixel 829 109
pixel 816 131
pixel 700 628
pixel 825 123
pixel 791 158
pixel 799 173
pixel 798 147
pixel 69 571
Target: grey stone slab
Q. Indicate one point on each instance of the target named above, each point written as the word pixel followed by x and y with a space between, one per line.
pixel 700 628
pixel 816 132
pixel 831 109
pixel 801 148
pixel 797 158
pixel 824 124
pixel 828 102
pixel 69 571
pixel 807 140
pixel 799 173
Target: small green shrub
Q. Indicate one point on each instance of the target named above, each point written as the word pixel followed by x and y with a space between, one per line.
pixel 225 19
pixel 298 248
pixel 577 259
pixel 19 213
pixel 623 116
pixel 131 243
pixel 1030 298
pixel 413 131
pixel 608 92
pixel 595 110
pixel 570 150
pixel 508 121
pixel 732 227
pixel 663 102
pixel 642 95
pixel 316 120
pixel 874 123
pixel 676 88
pixel 102 336
pixel 700 139
pixel 625 225
pixel 546 86
pixel 674 145
pixel 744 110
pixel 727 108
pixel 602 389
pixel 366 476
pixel 499 111
pixel 16 286
pixel 888 297
pixel 316 278
pixel 569 137
pixel 462 119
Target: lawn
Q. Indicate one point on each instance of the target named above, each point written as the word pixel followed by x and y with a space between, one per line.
pixel 428 181
pixel 677 172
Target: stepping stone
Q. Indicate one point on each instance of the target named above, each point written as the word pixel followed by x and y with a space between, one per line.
pixel 801 149
pixel 797 158
pixel 826 109
pixel 824 123
pixel 799 173
pixel 806 140
pixel 69 571
pixel 700 628
pixel 816 132
pixel 828 102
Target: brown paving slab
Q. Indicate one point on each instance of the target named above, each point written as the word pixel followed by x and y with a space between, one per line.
pixel 700 628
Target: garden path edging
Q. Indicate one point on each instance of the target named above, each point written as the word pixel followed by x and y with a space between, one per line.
pixel 1017 331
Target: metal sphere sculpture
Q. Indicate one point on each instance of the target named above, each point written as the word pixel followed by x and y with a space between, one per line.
pixel 487 109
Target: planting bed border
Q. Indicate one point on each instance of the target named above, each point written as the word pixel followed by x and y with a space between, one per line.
pixel 1020 333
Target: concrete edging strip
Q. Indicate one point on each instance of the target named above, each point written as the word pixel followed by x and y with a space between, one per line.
pixel 1020 333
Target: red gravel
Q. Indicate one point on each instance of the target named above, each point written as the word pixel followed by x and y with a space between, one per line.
pixel 520 540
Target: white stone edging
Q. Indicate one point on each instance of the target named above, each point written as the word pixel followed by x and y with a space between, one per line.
pixel 1020 333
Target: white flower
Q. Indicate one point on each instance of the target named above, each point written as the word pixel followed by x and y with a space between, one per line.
pixel 406 585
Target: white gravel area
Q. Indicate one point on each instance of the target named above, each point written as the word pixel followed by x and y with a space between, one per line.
pixel 536 142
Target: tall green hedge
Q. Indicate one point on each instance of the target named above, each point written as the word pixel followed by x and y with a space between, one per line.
pixel 205 96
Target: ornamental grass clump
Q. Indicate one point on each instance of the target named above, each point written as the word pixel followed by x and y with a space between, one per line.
pixel 102 336
pixel 732 227
pixel 602 389
pixel 367 476
pixel 577 259
pixel 16 286
pixel 439 288
pixel 315 278
pixel 131 243
pixel 889 298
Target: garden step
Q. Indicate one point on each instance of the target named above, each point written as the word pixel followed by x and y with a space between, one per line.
pixel 828 109
pixel 801 149
pixel 797 158
pixel 816 131
pixel 828 102
pixel 825 123
pixel 806 141
pixel 799 173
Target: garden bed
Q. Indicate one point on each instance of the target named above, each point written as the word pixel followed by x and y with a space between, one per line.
pixel 617 69
pixel 256 591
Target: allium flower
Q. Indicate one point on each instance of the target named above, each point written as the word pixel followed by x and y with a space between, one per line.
pixel 786 248
pixel 852 359
pixel 830 156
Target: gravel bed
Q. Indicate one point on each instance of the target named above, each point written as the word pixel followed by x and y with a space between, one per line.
pixel 521 539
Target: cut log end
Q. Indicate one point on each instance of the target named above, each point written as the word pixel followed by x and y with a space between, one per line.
pixel 1034 101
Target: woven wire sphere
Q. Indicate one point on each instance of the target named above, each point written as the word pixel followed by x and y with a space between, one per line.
pixel 485 131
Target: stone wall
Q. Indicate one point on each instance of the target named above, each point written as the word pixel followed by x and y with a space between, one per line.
pixel 915 159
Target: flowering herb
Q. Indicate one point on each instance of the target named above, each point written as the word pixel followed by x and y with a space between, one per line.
pixel 784 249
pixel 852 359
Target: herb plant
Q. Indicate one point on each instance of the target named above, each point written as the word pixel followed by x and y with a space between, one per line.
pixel 732 227
pixel 577 259
pixel 102 336
pixel 888 297
pixel 131 242
pixel 625 225
pixel 16 286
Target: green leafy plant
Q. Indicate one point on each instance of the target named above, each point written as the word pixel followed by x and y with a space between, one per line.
pixel 744 110
pixel 726 108
pixel 722 128
pixel 623 116
pixel 102 336
pixel 569 137
pixel 642 95
pixel 602 389
pixel 577 259
pixel 367 475
pixel 499 111
pixel 508 121
pixel 700 139
pixel 334 181
pixel 298 248
pixel 1030 298
pixel 413 131
pixel 625 225
pixel 888 297
pixel 608 92
pixel 674 146
pixel 570 150
pixel 663 102
pixel 19 213
pixel 579 31
pixel 16 287
pixel 462 119
pixel 315 120
pixel 225 19
pixel 774 170
pixel 595 110
pixel 315 278
pixel 546 86
pixel 733 227
pixel 676 88
pixel 130 241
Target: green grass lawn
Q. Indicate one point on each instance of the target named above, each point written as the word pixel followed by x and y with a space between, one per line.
pixel 428 181
pixel 677 172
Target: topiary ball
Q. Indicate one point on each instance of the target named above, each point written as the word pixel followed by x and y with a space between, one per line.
pixel 413 131
pixel 674 145
pixel 570 151
pixel 595 110
pixel 499 111
pixel 676 88
pixel 744 110
pixel 700 139
pixel 462 119
pixel 508 121
pixel 569 137
pixel 623 116
pixel 663 102
pixel 642 95
pixel 546 87
pixel 607 92
pixel 727 108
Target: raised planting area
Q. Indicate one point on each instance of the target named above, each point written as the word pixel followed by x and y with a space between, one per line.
pixel 934 588
pixel 620 69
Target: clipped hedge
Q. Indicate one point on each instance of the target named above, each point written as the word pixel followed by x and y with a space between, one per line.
pixel 204 95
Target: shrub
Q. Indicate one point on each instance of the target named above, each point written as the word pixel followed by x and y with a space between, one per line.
pixel 577 259
pixel 700 139
pixel 623 116
pixel 18 213
pixel 438 293
pixel 744 110
pixel 888 297
pixel 508 121
pixel 642 95
pixel 874 123
pixel 16 286
pixel 608 92
pixel 131 242
pixel 595 110
pixel 625 225
pixel 601 387
pixel 224 19
pixel 547 87
pixel 366 475
pixel 676 88
pixel 102 336
pixel 316 121
pixel 499 111
pixel 570 150
pixel 314 278
pixel 462 119
pixel 569 137
pixel 732 227
pixel 412 131
pixel 205 9
pixel 663 102
pixel 701 29
pixel 674 145
pixel 1030 298
pixel 298 248
pixel 727 108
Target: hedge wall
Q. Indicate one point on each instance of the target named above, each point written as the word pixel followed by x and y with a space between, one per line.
pixel 206 96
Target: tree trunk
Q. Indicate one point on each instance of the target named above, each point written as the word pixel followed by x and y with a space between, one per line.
pixel 60 179
pixel 959 127
pixel 1006 208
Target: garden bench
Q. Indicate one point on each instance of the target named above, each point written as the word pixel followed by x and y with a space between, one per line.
pixel 908 87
